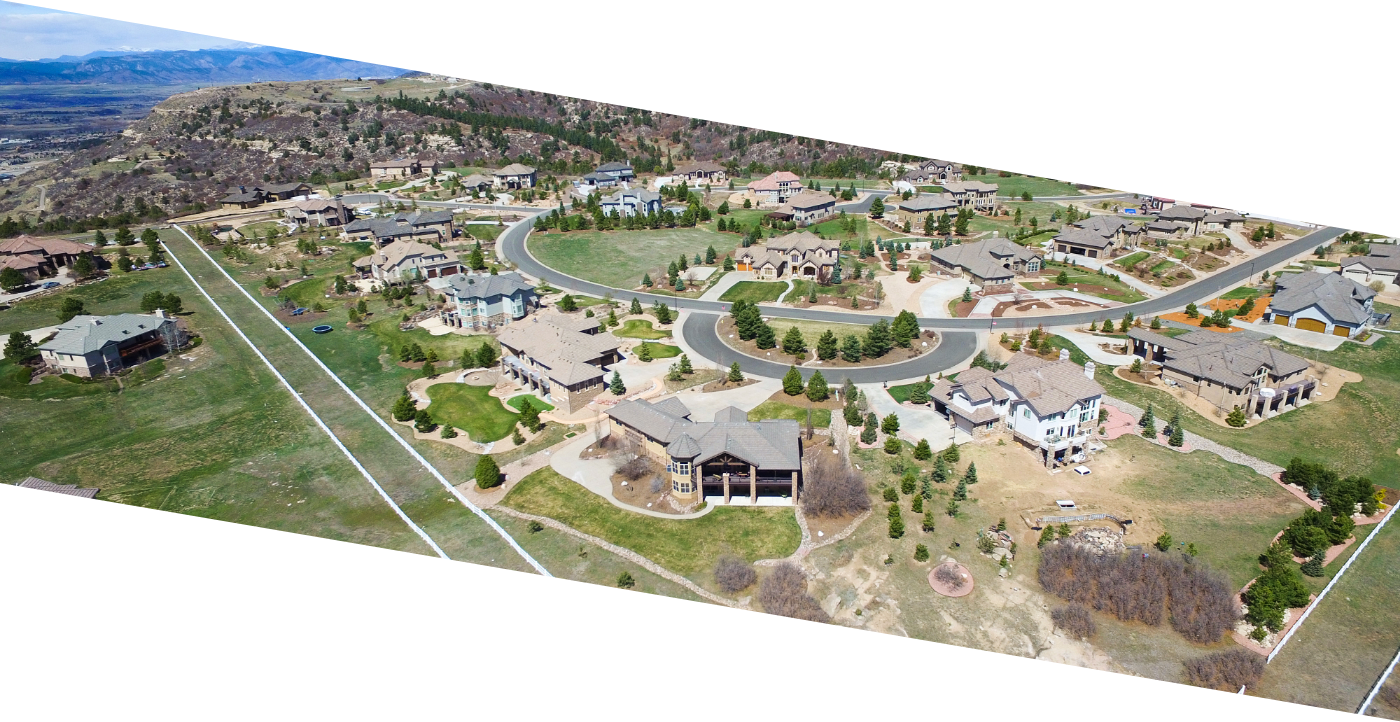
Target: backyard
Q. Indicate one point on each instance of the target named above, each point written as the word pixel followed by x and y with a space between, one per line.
pixel 620 258
pixel 471 409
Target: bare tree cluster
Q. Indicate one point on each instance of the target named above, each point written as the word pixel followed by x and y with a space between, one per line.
pixel 733 574
pixel 636 468
pixel 1075 620
pixel 1197 602
pixel 833 489
pixel 950 575
pixel 784 592
pixel 1228 670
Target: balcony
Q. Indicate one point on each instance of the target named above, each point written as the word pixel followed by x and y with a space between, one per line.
pixel 1055 442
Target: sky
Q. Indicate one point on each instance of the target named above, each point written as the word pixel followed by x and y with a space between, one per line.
pixel 32 33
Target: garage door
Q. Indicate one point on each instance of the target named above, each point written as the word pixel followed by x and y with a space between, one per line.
pixel 1280 320
pixel 743 267
pixel 1340 330
pixel 1312 324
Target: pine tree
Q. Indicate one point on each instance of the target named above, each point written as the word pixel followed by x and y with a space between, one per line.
pixel 793 343
pixel 423 422
pixel 904 329
pixel 1236 418
pixel 486 356
pixel 872 426
pixel 646 278
pixel 792 382
pixel 896 522
pixel 952 454
pixel 941 472
pixel 851 350
pixel 922 452
pixel 616 386
pixel 636 308
pixel 890 424
pixel 960 493
pixel 970 476
pixel 488 474
pixel 929 526
pixel 1148 423
pixel 448 432
pixel 827 347
pixel 877 340
pixel 735 374
pixel 685 366
pixel 1047 535
pixel 817 389
pixel 766 339
pixel 1313 567
pixel 529 415
pixel 917 505
pixel 892 445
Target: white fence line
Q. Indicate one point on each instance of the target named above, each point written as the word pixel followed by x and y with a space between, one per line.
pixel 407 447
pixel 1379 683
pixel 334 439
pixel 1330 584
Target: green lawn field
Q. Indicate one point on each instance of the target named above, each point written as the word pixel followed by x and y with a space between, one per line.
pixel 620 258
pixel 471 409
pixel 754 291
pixel 1018 184
pixel 640 328
pixel 797 411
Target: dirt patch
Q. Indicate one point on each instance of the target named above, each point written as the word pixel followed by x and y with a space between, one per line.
pixel 964 308
pixel 1261 304
pixel 651 493
pixel 723 385
pixel 1089 288
pixel 1181 317
pixel 828 525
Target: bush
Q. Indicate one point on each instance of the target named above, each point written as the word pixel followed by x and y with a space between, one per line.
pixel 1226 671
pixel 625 581
pixel 920 553
pixel 488 475
pixel 733 574
pixel 1198 602
pixel 636 468
pixel 833 489
pixel 1075 620
pixel 535 527
pixel 891 494
pixel 950 575
pixel 784 593
pixel 892 445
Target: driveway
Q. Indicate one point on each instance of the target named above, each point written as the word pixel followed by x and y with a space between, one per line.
pixel 595 475
pixel 62 278
pixel 914 423
pixel 933 302
pixel 714 292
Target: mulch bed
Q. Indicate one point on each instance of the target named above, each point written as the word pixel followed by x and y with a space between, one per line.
pixel 723 385
pixel 947 590
pixel 964 308
pixel 1089 288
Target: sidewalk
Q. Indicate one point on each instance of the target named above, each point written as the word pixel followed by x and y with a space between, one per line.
pixel 595 475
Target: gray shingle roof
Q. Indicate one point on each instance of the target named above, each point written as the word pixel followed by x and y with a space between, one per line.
pixel 466 287
pixel 928 202
pixel 614 167
pixel 66 489
pixel 1382 257
pixel 1082 237
pixel 1050 387
pixel 1182 213
pixel 85 334
pixel 1341 298
pixel 771 445
pixel 515 169
pixel 1227 359
pixel 984 259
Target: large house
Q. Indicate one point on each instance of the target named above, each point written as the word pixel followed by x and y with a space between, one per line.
pixel 37 257
pixel 1226 369
pixel 563 358
pixel 712 458
pixel 809 207
pixel 426 226
pixel 477 182
pixel 283 191
pixel 1050 406
pixel 920 207
pixel 933 172
pixel 1097 237
pixel 705 171
pixel 89 346
pixel 597 180
pixel 320 213
pixel 482 302
pixel 994 261
pixel 1188 218
pixel 1327 303
pixel 242 199
pixel 617 170
pixel 1222 220
pixel 515 175
pixel 799 255
pixel 399 168
pixel 1381 263
pixel 632 202
pixel 405 261
pixel 976 195
pixel 776 187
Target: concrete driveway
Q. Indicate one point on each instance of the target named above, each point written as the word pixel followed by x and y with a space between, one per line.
pixel 933 302
pixel 914 423
pixel 595 475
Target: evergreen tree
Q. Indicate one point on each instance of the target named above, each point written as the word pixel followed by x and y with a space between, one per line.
pixel 878 340
pixel 20 347
pixel 827 348
pixel 792 382
pixel 877 208
pixel 817 390
pixel 1148 423
pixel 1178 436
pixel 488 474
pixel 1236 418
pixel 99 239
pixel 636 308
pixel 941 473
pixel 872 425
pixel 928 524
pixel 890 424
pixel 1047 535
pixel 735 374
pixel 904 329
pixel 529 415
pixel 423 422
pixel 644 352
pixel 1313 566
pixel 616 386
pixel 851 350
pixel 766 339
pixel 567 303
pixel 69 308
pixel 685 366
pixel 923 452
pixel 896 522
pixel 970 476
pixel 448 432
pixel 952 454
pixel 960 493
pixel 486 356
pixel 793 342
pixel 646 279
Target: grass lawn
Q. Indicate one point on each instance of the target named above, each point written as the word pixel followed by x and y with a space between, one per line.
pixel 754 291
pixel 538 403
pixel 1240 293
pixel 640 328
pixel 1078 275
pixel 746 219
pixel 686 546
pixel 797 411
pixel 1018 184
pixel 1357 432
pixel 1350 637
pixel 620 258
pixel 118 293
pixel 659 350
pixel 1163 266
pixel 1131 260
pixel 812 331
pixel 482 232
pixel 471 409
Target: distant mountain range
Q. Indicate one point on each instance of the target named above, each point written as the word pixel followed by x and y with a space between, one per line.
pixel 215 65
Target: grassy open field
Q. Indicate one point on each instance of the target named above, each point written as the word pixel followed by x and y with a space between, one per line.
pixel 1077 275
pixel 620 258
pixel 640 328
pixel 660 350
pixel 1018 184
pixel 797 411
pixel 538 403
pixel 1346 643
pixel 754 291
pixel 686 546
pixel 471 409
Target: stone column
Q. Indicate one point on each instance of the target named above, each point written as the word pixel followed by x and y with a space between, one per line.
pixel 726 487
pixel 794 488
pixel 753 484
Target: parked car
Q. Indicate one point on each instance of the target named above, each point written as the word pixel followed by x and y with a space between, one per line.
pixel 50 284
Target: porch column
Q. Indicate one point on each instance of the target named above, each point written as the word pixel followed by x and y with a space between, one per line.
pixel 753 484
pixel 726 487
pixel 794 487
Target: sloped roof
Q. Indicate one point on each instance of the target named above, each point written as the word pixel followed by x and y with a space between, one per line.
pixel 1382 257
pixel 1228 359
pixel 282 187
pixel 474 286
pixel 613 167
pixel 1104 225
pixel 984 259
pixel 66 489
pixel 772 444
pixel 811 199
pixel 396 163
pixel 675 407
pixel 770 182
pixel 730 414
pixel 1049 387
pixel 970 187
pixel 21 262
pixel 1224 217
pixel 1082 237
pixel 476 179
pixel 1165 226
pixel 928 202
pixel 684 447
pixel 515 169
pixel 701 167
pixel 85 334
pixel 46 246
pixel 1341 298
pixel 399 253
pixel 242 197
pixel 1181 213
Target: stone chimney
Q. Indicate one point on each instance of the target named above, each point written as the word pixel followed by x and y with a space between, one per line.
pixel 160 313
pixel 1089 369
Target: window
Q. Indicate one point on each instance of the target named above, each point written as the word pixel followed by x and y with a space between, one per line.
pixel 683 468
pixel 1026 411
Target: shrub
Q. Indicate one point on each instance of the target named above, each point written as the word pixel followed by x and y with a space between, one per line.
pixel 1226 671
pixel 535 527
pixel 488 475
pixel 891 494
pixel 1164 542
pixel 950 575
pixel 1075 620
pixel 733 574
pixel 784 593
pixel 985 544
pixel 892 445
pixel 922 452
pixel 1198 603
pixel 920 553
pixel 928 522
pixel 625 581
pixel 833 489
pixel 635 468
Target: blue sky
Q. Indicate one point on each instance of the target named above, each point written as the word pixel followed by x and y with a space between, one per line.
pixel 30 33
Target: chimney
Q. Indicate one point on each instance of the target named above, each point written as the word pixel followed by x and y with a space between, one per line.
pixel 1089 369
pixel 1064 354
pixel 241 189
pixel 160 313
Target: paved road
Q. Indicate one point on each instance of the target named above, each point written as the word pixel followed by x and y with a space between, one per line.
pixel 954 348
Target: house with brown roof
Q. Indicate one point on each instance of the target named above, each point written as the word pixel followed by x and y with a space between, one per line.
pixel 799 255
pixel 933 172
pixel 561 357
pixel 283 191
pixel 809 207
pixel 712 459
pixel 38 257
pixel 244 198
pixel 992 262
pixel 1221 221
pixel 702 172
pixel 1226 369
pixel 917 209
pixel 515 175
pixel 1329 303
pixel 976 195
pixel 404 261
pixel 1380 263
pixel 397 168
pixel 776 187
pixel 320 213
pixel 1188 218
pixel 1050 406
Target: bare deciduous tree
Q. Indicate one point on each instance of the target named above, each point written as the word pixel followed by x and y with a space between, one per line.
pixel 733 574
pixel 1228 670
pixel 1075 620
pixel 950 575
pixel 784 592
pixel 832 488
pixel 636 468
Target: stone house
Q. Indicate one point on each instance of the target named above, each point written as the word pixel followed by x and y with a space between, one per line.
pixel 995 261
pixel 809 207
pixel 1224 220
pixel 39 257
pixel 712 459
pixel 1188 218
pixel 89 346
pixel 483 302
pixel 617 170
pixel 703 172
pixel 515 176
pixel 1097 237
pixel 1227 370
pixel 976 195
pixel 799 255
pixel 776 187
pixel 320 213
pixel 563 358
pixel 425 226
pixel 401 168
pixel 917 209
pixel 632 202
pixel 1381 263
pixel 404 261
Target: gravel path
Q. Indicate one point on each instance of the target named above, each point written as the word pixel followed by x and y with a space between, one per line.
pixel 1196 441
